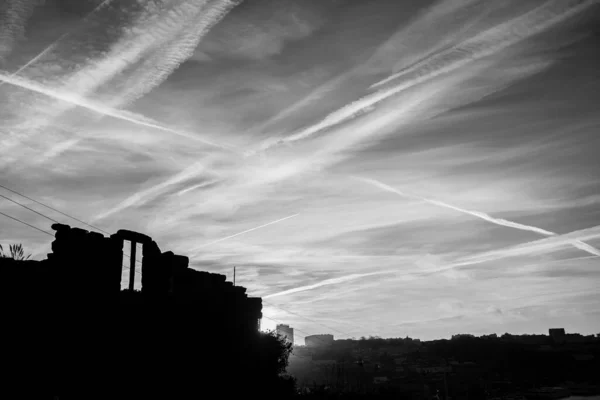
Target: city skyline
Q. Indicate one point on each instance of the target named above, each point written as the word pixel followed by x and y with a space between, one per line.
pixel 378 168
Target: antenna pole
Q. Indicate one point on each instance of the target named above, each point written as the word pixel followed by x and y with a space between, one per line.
pixel 233 276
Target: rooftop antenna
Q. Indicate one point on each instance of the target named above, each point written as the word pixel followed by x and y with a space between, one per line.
pixel 234 276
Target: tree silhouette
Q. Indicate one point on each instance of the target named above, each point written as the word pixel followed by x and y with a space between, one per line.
pixel 15 251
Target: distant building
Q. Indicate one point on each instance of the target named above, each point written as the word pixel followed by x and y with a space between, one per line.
pixel 462 336
pixel 286 331
pixel 557 335
pixel 490 336
pixel 318 340
pixel 575 338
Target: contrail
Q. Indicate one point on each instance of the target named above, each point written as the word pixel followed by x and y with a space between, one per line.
pixel 498 37
pixel 330 84
pixel 143 36
pixel 485 44
pixel 160 65
pixel 146 34
pixel 498 221
pixel 53 45
pixel 526 248
pixel 12 26
pixel 142 197
pixel 128 51
pixel 522 249
pixel 100 109
pixel 249 230
pixel 327 282
pixel 540 245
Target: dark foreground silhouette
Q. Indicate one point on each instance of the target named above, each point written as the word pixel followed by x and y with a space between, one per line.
pixel 69 330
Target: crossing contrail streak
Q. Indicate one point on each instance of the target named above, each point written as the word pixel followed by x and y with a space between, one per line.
pixel 170 55
pixel 53 45
pixel 139 39
pixel 100 109
pixel 498 221
pixel 485 44
pixel 497 37
pixel 249 230
pixel 327 282
pixel 523 249
pixel 12 25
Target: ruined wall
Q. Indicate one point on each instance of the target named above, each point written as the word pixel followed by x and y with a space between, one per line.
pixel 70 326
pixel 87 266
pixel 221 302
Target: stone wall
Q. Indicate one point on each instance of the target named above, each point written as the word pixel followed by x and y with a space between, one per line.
pixel 88 266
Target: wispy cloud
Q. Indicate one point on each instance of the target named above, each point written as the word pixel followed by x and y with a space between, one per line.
pixel 101 109
pixel 486 44
pixel 481 215
pixel 14 15
pixel 173 51
pixel 53 45
pixel 267 108
pixel 539 246
pixel 495 39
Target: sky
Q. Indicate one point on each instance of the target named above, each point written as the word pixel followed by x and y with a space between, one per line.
pixel 387 168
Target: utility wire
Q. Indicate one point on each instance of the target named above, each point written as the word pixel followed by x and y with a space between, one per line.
pixel 54 209
pixel 124 266
pixel 30 209
pixel 138 272
pixel 46 232
pixel 45 216
pixel 25 223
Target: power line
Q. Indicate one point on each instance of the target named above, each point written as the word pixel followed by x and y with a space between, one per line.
pixel 30 209
pixel 51 219
pixel 138 272
pixel 54 209
pixel 25 223
pixel 48 233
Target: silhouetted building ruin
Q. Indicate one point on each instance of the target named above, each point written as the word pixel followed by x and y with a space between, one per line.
pixel 89 265
pixel 70 318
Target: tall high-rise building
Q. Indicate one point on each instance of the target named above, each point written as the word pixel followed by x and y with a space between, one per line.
pixel 285 331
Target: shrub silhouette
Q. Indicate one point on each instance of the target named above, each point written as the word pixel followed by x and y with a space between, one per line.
pixel 15 252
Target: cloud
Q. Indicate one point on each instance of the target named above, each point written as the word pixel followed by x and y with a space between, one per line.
pixel 76 100
pixel 484 45
pixel 511 133
pixel 478 214
pixel 496 38
pixel 54 44
pixel 262 29
pixel 550 244
pixel 13 17
pixel 173 51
